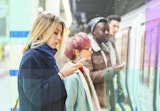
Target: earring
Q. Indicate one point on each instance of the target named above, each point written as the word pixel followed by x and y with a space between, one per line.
pixel 78 57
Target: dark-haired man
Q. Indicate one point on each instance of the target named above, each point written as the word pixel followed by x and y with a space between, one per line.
pixel 113 22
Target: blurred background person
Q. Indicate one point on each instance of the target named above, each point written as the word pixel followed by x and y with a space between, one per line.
pixel 81 95
pixel 113 22
pixel 102 71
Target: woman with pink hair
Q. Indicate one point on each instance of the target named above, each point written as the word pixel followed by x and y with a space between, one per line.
pixel 81 95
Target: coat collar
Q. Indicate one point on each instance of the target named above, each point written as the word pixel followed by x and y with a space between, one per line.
pixel 45 48
pixel 94 44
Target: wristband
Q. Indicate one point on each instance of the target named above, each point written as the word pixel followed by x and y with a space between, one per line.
pixel 62 74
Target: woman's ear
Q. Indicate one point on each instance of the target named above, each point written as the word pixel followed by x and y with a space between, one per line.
pixel 44 34
pixel 77 52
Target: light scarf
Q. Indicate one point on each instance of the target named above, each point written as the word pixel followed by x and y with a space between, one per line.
pixel 92 99
pixel 112 52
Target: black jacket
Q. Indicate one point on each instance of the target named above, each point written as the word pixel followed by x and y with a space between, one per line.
pixel 39 86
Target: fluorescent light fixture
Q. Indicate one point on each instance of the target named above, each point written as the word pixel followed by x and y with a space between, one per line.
pixel 40 9
pixel 67 12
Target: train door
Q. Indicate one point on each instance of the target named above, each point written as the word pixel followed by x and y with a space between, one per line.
pixel 121 41
pixel 151 67
pixel 133 64
pixel 157 71
pixel 157 76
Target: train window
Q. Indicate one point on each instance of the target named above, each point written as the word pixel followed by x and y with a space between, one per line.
pixel 142 55
pixel 3 26
pixel 125 43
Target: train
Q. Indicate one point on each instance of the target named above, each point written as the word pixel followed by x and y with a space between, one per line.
pixel 137 43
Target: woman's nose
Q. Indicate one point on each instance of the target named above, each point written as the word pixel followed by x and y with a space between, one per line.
pixel 59 36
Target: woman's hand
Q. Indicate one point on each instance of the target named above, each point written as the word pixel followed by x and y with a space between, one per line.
pixel 69 68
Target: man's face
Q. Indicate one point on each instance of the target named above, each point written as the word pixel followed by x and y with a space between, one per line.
pixel 101 31
pixel 113 27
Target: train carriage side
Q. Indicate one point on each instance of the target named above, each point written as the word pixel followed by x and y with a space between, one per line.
pixel 141 79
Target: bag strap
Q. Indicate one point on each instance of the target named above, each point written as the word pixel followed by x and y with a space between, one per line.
pixel 16 104
pixel 119 80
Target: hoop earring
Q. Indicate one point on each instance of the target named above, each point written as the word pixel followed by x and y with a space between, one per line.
pixel 78 57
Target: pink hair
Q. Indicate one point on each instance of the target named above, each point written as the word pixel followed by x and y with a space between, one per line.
pixel 78 41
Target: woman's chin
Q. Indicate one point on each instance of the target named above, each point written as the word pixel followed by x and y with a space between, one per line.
pixel 89 58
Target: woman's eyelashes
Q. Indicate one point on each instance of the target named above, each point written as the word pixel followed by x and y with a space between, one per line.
pixel 56 33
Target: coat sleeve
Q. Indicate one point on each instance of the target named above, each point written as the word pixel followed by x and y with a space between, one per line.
pixel 98 76
pixel 71 86
pixel 38 89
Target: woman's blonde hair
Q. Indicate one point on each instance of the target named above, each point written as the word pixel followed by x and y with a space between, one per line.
pixel 45 23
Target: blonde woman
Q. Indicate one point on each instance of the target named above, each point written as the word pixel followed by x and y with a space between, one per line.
pixel 40 81
pixel 81 95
